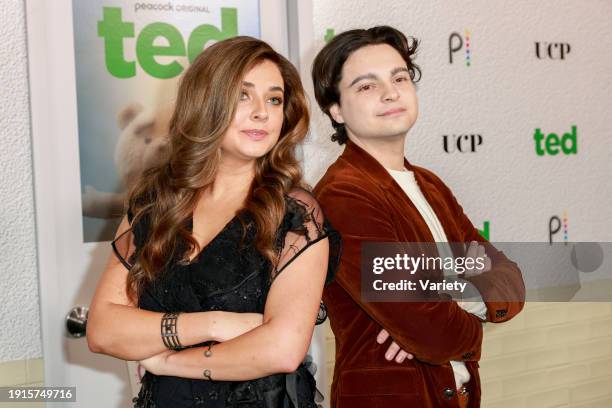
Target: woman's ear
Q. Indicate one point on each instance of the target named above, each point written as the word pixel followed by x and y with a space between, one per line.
pixel 335 113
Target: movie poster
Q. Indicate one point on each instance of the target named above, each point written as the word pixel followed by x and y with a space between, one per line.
pixel 129 56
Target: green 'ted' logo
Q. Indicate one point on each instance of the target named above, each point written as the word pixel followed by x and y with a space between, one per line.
pixel 552 144
pixel 484 232
pixel 113 30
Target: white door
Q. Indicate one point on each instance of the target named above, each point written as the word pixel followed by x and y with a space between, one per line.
pixel 68 269
pixel 69 266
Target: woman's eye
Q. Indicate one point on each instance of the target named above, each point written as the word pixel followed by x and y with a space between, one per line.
pixel 365 87
pixel 244 96
pixel 401 79
pixel 276 101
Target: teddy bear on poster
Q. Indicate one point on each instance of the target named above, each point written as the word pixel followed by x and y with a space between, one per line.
pixel 142 144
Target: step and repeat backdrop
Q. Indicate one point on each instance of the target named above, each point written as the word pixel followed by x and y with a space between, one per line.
pixel 515 103
pixel 514 107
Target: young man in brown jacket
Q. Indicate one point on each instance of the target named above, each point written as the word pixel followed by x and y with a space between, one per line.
pixel 364 82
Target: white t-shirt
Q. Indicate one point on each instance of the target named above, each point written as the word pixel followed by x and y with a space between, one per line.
pixel 408 183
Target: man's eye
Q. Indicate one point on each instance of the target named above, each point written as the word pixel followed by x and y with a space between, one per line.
pixel 401 79
pixel 365 87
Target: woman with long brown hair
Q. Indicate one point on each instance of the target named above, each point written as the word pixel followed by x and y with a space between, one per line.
pixel 222 247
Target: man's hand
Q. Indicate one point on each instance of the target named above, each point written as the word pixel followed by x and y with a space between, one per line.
pixel 394 350
pixel 474 251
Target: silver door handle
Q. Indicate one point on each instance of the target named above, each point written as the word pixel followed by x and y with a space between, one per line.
pixel 76 321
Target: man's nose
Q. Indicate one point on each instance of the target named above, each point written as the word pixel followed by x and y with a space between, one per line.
pixel 390 93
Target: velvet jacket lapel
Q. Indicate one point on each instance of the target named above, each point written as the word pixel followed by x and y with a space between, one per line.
pixel 417 231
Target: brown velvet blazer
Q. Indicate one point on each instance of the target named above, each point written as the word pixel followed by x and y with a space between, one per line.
pixel 364 203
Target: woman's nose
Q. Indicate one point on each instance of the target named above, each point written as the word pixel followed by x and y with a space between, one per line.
pixel 259 111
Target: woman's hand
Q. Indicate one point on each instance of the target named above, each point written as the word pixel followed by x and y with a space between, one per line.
pixel 157 364
pixel 228 325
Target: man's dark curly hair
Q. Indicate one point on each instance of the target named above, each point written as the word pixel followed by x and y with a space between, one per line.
pixel 327 66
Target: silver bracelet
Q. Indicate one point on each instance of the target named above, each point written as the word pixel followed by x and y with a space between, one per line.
pixel 169 332
pixel 208 353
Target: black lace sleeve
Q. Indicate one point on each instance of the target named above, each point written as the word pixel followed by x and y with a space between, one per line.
pixel 304 225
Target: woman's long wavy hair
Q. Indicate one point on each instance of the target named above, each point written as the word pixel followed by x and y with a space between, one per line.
pixel 205 107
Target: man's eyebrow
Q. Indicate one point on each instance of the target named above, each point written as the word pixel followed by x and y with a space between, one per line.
pixel 373 76
pixel 362 77
pixel 399 69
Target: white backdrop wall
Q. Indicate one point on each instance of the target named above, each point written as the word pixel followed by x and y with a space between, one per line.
pixel 504 95
pixel 19 308
pixel 552 354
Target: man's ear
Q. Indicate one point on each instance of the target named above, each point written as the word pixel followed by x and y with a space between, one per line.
pixel 335 113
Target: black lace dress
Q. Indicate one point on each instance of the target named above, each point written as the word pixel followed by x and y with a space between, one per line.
pixel 230 275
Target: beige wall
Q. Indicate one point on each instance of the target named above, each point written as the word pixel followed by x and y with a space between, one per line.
pixel 550 355
pixel 22 373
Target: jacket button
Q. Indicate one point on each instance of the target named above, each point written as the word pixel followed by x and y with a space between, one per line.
pixel 449 392
pixel 467 356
